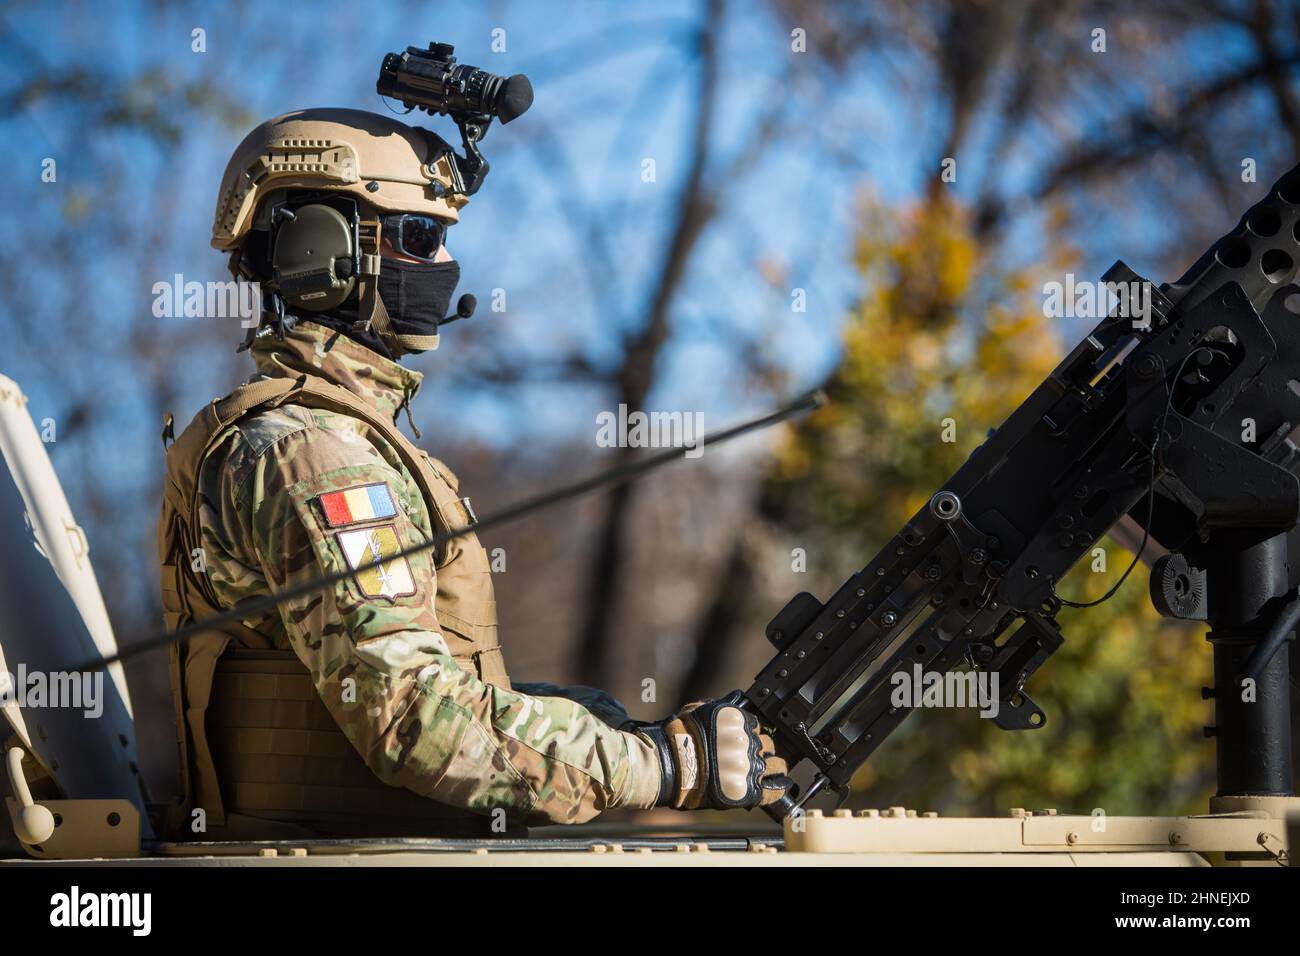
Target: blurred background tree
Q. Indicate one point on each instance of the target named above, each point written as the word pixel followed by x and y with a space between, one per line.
pixel 796 149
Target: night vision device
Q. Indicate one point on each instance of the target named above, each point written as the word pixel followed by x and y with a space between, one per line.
pixel 432 80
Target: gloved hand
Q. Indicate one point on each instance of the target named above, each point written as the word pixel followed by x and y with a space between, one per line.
pixel 714 756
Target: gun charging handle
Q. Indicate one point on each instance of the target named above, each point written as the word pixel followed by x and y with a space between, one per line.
pixel 792 802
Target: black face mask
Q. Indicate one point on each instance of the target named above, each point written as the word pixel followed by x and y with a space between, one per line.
pixel 416 294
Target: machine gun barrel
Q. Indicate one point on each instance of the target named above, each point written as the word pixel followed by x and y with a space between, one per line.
pixel 1125 424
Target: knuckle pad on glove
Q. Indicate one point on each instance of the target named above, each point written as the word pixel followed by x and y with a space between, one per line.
pixel 734 760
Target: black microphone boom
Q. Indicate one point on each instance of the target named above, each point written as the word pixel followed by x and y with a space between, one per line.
pixel 465 307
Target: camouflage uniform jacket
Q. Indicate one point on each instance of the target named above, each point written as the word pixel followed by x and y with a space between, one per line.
pixel 374 646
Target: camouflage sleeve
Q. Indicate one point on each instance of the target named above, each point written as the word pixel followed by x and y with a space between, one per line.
pixel 597 701
pixel 377 657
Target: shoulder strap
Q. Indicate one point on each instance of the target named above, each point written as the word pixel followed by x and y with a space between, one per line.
pixel 177 530
pixel 186 456
pixel 317 393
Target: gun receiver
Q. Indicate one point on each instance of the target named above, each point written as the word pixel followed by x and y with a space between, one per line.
pixel 1143 417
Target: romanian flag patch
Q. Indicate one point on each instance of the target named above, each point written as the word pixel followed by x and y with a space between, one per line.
pixel 355 505
pixel 391 577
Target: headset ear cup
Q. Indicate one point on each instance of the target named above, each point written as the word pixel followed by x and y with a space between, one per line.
pixel 307 246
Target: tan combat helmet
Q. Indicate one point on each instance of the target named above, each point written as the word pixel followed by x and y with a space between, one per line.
pixel 376 158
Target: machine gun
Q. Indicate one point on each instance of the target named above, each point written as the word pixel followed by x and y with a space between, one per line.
pixel 1185 420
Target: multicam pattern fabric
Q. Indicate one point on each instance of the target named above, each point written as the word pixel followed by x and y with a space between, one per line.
pixel 382 663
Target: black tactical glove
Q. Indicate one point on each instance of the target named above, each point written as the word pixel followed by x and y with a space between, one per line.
pixel 714 756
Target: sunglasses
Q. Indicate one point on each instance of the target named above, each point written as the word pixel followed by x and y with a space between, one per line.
pixel 413 234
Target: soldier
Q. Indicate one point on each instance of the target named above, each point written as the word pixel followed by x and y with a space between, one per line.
pixel 382 705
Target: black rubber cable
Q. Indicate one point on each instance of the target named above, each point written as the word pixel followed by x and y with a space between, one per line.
pixel 1151 500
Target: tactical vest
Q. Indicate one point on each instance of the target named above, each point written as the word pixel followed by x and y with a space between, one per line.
pixel 259 751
